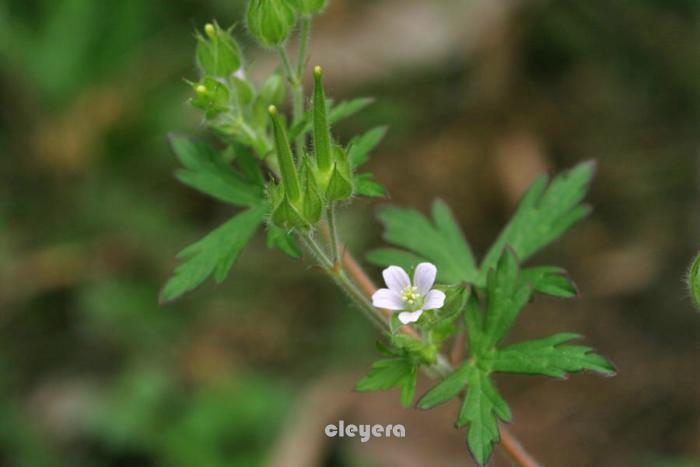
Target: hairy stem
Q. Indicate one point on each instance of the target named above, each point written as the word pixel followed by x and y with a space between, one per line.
pixel 333 234
pixel 303 46
pixel 342 280
pixel 297 97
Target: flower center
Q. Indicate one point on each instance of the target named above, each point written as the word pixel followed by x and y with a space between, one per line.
pixel 411 298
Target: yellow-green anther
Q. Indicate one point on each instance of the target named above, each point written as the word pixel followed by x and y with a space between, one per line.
pixel 288 169
pixel 694 281
pixel 200 89
pixel 322 131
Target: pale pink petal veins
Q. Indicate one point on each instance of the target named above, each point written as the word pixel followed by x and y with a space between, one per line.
pixel 424 277
pixel 409 316
pixel 434 300
pixel 385 298
pixel 396 278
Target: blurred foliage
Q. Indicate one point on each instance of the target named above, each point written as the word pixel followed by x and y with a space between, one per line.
pixel 93 372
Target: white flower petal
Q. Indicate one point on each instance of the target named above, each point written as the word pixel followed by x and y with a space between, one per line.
pixel 396 278
pixel 434 300
pixel 410 316
pixel 385 298
pixel 424 277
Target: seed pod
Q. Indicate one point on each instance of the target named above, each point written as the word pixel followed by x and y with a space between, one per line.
pixel 322 131
pixel 288 169
pixel 270 21
pixel 218 53
pixel 313 203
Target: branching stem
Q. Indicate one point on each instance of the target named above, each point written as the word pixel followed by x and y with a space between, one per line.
pixel 333 234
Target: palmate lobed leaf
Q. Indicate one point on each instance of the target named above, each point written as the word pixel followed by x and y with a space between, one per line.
pixel 544 213
pixel 481 409
pixel 481 406
pixel 439 242
pixel 205 170
pixel 213 254
pixel 549 357
pixel 388 373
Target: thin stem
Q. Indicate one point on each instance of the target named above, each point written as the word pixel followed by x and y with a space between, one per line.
pixel 297 98
pixel 332 227
pixel 303 46
pixel 515 450
pixel 284 58
pixel 342 280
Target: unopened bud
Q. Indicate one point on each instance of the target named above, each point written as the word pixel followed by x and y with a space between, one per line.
pixel 270 21
pixel 218 53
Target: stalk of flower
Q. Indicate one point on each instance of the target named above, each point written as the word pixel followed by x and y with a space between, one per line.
pixel 410 299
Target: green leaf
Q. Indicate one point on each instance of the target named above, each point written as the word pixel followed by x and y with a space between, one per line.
pixel 408 388
pixel 214 254
pixel 548 357
pixel 345 109
pixel 360 147
pixel 387 373
pixel 282 240
pixel 440 242
pixel 206 171
pixel 474 321
pixel 549 280
pixel 365 186
pixel 447 389
pixel 507 295
pixel 481 409
pixel 544 214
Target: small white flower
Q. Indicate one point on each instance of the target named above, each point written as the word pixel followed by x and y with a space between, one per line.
pixel 412 299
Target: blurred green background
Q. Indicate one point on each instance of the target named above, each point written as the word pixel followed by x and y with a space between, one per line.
pixel 480 96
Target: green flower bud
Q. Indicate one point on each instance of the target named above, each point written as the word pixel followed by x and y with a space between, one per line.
pixel 694 281
pixel 270 21
pixel 218 53
pixel 211 96
pixel 310 7
pixel 273 90
pixel 322 130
